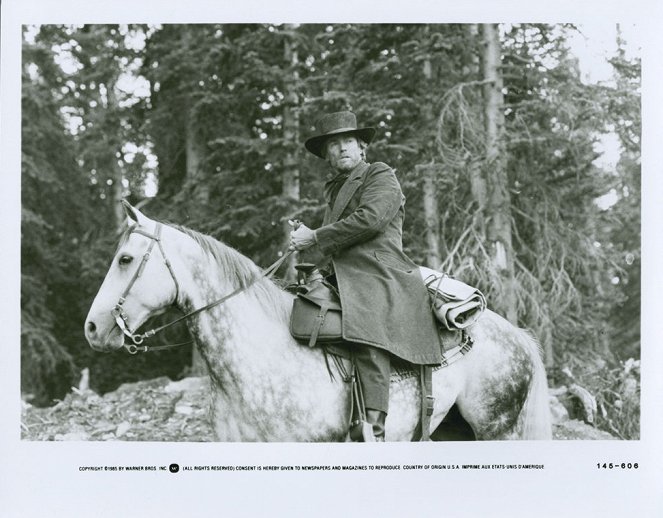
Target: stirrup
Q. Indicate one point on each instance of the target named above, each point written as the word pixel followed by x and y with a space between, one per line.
pixel 361 431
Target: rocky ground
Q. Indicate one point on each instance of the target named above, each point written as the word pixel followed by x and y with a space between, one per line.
pixel 153 410
pixel 577 430
pixel 177 411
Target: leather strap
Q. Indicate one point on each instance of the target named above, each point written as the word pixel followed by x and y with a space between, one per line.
pixel 317 325
pixel 427 400
pixel 139 271
pixel 359 427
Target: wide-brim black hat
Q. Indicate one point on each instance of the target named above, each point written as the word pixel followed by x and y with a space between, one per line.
pixel 336 124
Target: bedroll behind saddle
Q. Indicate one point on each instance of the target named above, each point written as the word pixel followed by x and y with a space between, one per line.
pixel 455 304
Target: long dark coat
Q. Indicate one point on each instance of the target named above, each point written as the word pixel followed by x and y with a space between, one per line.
pixel 384 300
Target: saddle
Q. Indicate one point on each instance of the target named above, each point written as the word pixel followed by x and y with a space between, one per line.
pixel 316 316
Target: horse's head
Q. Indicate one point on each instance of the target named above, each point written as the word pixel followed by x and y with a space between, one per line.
pixel 139 284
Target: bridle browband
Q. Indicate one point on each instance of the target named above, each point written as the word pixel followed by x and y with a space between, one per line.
pixel 121 318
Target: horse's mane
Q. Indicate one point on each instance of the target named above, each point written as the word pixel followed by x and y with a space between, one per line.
pixel 237 268
pixel 240 271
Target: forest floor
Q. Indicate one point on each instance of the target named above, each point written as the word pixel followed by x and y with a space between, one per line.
pixel 153 410
pixel 164 410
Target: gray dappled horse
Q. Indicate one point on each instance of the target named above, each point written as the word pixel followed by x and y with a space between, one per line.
pixel 265 385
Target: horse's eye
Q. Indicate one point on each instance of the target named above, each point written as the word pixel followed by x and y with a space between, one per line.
pixel 125 259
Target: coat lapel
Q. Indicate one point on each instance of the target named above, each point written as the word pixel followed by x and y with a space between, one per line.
pixel 346 192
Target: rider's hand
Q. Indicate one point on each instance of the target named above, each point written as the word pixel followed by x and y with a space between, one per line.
pixel 301 237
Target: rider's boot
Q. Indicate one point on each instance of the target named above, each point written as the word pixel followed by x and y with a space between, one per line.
pixel 376 419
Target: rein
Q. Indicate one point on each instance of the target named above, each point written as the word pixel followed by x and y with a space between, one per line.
pixel 121 318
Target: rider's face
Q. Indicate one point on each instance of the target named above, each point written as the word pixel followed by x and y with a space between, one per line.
pixel 343 152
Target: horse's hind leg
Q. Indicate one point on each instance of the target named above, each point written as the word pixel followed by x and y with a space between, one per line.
pixel 493 413
pixel 447 423
pixel 495 404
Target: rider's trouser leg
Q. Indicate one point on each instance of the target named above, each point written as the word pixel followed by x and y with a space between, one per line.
pixel 374 369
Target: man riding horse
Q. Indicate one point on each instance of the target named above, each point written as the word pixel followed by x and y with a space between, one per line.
pixel 386 307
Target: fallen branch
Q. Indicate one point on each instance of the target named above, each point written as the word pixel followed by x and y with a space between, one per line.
pixel 588 402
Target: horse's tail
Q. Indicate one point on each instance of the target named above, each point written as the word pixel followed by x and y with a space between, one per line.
pixel 535 416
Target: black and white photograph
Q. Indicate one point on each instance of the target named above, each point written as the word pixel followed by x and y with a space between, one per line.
pixel 301 260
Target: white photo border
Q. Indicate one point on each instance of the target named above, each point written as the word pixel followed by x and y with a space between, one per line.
pixel 38 479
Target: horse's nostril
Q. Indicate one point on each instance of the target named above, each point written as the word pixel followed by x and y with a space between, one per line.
pixel 91 327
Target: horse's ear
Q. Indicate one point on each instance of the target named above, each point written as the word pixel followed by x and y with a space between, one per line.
pixel 134 216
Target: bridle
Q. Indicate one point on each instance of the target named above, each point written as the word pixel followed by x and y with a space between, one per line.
pixel 121 318
pixel 118 312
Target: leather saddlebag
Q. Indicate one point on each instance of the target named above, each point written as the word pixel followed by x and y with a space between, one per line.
pixel 316 316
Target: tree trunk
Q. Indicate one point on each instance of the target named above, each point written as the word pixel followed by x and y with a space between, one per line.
pixel 429 174
pixel 476 173
pixel 498 198
pixel 290 188
pixel 195 154
pixel 118 194
pixel 114 148
pixel 196 178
